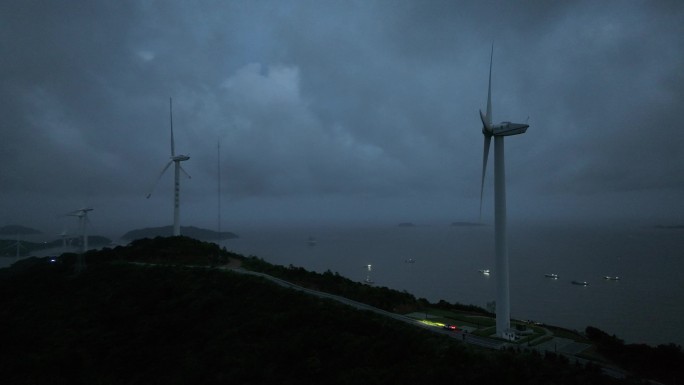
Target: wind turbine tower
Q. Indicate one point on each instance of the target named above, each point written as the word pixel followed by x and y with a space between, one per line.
pixel 82 216
pixel 63 234
pixel 218 168
pixel 175 159
pixel 499 131
pixel 19 246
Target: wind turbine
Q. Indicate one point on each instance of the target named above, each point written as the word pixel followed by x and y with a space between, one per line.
pixel 64 234
pixel 218 169
pixel 175 159
pixel 82 215
pixel 498 131
pixel 19 247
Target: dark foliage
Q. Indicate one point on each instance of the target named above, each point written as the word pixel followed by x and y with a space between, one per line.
pixel 179 250
pixel 333 283
pixel 444 305
pixel 120 323
pixel 664 363
pixel 93 240
pixel 131 323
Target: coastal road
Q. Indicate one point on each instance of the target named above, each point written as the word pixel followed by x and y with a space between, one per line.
pixel 459 335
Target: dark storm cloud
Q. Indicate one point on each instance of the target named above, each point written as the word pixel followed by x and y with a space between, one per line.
pixel 360 104
pixel 611 85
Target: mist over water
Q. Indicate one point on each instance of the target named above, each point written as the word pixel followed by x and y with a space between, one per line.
pixel 644 306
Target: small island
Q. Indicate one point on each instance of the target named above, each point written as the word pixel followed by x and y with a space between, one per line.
pixel 190 231
pixel 466 224
pixel 669 227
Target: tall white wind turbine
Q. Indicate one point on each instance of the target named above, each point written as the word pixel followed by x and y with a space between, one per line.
pixel 175 159
pixel 498 131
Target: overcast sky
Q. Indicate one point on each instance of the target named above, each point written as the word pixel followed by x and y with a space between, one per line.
pixel 338 110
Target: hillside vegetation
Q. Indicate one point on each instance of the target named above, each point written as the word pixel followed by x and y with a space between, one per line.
pixel 157 321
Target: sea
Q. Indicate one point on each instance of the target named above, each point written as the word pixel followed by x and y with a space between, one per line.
pixel 441 261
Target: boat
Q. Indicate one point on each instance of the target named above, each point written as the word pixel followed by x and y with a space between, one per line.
pixel 580 283
pixel 484 271
pixel 410 260
pixel 552 276
pixel 311 241
pixel 609 278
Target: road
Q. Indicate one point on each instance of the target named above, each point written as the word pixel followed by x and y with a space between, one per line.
pixel 459 335
pixel 563 346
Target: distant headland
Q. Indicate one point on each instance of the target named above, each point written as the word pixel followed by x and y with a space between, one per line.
pixel 17 230
pixel 669 227
pixel 466 224
pixel 189 231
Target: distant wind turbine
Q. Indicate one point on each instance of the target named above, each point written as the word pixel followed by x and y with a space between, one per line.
pixel 64 234
pixel 175 159
pixel 18 245
pixel 498 131
pixel 218 171
pixel 82 215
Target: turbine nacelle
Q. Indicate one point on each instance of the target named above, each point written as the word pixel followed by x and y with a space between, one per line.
pixel 80 213
pixel 508 129
pixel 501 129
pixel 180 158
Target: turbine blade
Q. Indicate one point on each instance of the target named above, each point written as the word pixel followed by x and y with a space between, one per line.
pixel 173 147
pixel 489 90
pixel 158 178
pixel 485 155
pixel 184 172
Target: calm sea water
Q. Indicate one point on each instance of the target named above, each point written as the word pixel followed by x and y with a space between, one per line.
pixel 645 305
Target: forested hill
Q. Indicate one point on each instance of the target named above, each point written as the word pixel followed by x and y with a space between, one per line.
pixel 119 322
pixel 190 231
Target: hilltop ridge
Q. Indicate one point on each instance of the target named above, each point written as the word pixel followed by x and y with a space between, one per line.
pixel 190 231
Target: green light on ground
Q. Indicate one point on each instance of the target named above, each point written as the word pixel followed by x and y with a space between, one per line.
pixel 431 323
